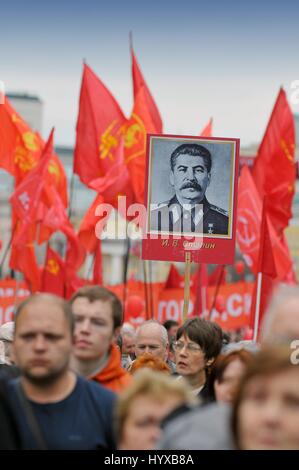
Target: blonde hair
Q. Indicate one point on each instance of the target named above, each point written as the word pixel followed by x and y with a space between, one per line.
pixel 269 361
pixel 158 386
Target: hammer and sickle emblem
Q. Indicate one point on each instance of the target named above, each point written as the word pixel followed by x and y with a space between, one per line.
pixel 53 169
pixel 30 141
pixel 52 266
pixel 108 142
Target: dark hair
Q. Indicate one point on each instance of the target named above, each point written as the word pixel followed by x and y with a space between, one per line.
pixel 194 150
pixel 59 301
pixel 206 334
pixel 269 361
pixel 94 293
pixel 169 324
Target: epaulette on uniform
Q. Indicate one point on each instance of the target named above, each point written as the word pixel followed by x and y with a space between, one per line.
pixel 162 204
pixel 219 210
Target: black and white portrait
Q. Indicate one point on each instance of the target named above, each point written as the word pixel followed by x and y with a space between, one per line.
pixel 190 186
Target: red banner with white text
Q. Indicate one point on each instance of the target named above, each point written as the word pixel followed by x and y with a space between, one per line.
pixel 12 292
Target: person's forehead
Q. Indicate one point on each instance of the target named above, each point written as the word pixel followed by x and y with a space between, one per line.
pixel 190 160
pixel 286 318
pixel 282 379
pixel 152 404
pixel 99 308
pixel 150 334
pixel 234 367
pixel 41 314
pixel 128 339
pixel 185 338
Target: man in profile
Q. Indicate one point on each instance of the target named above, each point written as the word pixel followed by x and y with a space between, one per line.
pixel 189 210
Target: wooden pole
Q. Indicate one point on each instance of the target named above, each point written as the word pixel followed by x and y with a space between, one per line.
pixel 187 285
pixel 257 306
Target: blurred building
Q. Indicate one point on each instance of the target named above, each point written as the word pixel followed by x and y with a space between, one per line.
pixel 30 107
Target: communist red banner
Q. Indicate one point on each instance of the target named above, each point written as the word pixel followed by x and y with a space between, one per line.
pixel 249 227
pixel 21 149
pixel 274 169
pixel 231 310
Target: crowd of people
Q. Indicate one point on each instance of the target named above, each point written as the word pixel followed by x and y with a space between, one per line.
pixel 73 376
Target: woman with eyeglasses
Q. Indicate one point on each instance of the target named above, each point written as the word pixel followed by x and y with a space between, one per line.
pixel 197 345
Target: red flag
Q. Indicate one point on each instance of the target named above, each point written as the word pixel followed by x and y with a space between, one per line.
pixel 22 259
pixel 98 129
pixel 53 276
pixel 116 181
pixel 56 219
pixel 73 285
pixel 175 279
pixel 110 188
pixel 139 124
pixel 290 277
pixel 21 149
pixel 274 168
pixel 249 217
pixel 200 289
pixel 28 194
pixel 207 130
pixel 266 275
pixel 86 234
pixel 218 276
pixel 138 83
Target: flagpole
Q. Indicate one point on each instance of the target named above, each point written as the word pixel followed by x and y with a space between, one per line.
pixel 257 306
pixel 187 285
pixel 145 290
pixel 125 277
pixel 7 248
pixel 151 289
pixel 203 301
pixel 72 183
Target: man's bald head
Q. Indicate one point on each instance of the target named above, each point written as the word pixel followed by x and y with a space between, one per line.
pixel 48 299
pixel 152 338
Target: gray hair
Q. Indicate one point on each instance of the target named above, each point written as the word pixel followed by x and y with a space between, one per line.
pixel 128 330
pixel 6 338
pixel 163 331
pixel 7 331
pixel 283 293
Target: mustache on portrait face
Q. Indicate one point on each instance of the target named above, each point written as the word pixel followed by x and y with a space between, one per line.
pixel 191 184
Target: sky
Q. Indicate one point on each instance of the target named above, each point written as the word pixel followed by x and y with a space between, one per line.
pixel 220 59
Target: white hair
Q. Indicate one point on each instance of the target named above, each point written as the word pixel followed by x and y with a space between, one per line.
pixel 163 331
pixel 6 338
pixel 281 295
pixel 128 330
pixel 7 331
